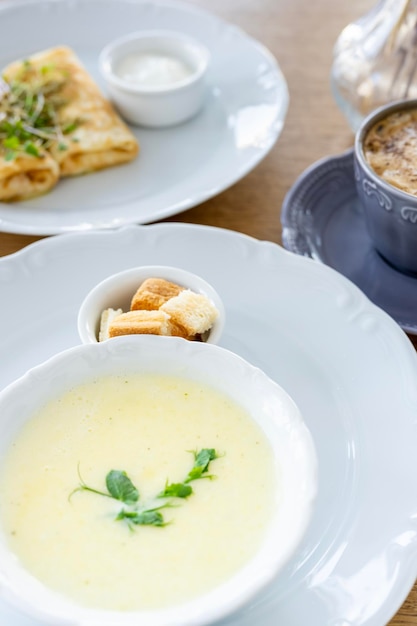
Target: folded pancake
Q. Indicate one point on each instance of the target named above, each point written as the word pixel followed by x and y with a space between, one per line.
pixel 26 168
pixel 90 134
pixel 27 176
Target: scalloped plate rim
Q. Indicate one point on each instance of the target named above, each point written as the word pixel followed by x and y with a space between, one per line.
pixel 269 258
pixel 214 184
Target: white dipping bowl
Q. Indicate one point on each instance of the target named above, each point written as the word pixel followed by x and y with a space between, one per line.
pixel 156 105
pixel 268 404
pixel 117 290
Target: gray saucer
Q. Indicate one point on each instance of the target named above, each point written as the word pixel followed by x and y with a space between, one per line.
pixel 322 218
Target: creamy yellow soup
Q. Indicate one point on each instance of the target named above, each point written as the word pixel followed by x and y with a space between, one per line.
pixel 145 426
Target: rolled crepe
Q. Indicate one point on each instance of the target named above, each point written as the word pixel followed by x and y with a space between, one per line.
pixel 99 138
pixel 27 176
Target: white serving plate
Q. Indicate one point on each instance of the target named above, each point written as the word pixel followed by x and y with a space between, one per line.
pixel 177 167
pixel 347 364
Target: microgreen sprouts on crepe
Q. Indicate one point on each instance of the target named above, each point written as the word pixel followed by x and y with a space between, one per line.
pixel 29 106
pixel 120 487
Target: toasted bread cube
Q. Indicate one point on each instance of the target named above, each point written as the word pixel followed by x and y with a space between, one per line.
pixel 140 322
pixel 107 316
pixel 153 293
pixel 193 312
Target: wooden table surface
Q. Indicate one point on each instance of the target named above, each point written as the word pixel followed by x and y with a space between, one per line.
pixel 301 34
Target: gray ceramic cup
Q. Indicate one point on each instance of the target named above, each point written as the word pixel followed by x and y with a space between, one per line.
pixel 390 213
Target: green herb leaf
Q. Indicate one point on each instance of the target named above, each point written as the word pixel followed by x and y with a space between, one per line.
pixel 176 490
pixel 30 148
pixel 203 458
pixel 202 461
pixel 195 474
pixel 144 518
pixel 121 487
pixel 11 142
pixel 69 128
pixel 47 68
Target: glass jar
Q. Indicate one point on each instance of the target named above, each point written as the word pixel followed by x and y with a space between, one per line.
pixel 375 59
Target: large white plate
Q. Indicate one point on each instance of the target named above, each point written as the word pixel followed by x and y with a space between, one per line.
pixel 350 368
pixel 177 167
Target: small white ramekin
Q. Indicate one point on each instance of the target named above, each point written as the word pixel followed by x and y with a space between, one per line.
pixel 117 290
pixel 153 105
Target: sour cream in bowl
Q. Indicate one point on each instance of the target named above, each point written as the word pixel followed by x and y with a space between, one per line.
pixel 148 483
pixel 156 78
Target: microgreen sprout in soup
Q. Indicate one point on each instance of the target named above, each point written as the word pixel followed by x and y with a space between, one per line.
pixel 29 106
pixel 137 513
